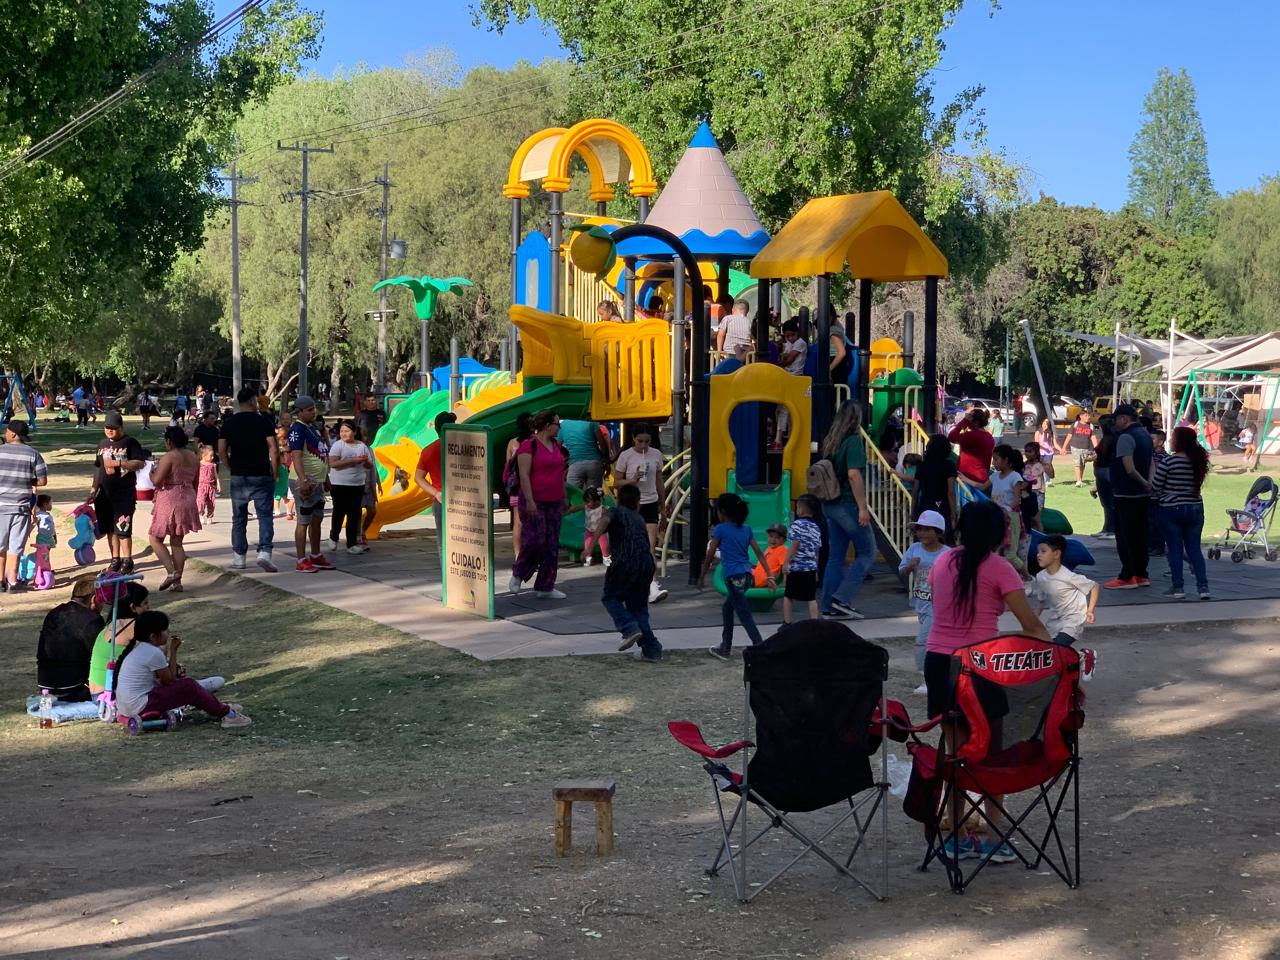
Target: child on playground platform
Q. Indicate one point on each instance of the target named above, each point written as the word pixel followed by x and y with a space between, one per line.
pixel 734 539
pixel 149 680
pixel 593 504
pixel 930 529
pixel 210 486
pixel 1067 599
pixel 801 566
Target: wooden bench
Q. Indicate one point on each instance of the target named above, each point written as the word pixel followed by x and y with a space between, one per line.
pixel 599 792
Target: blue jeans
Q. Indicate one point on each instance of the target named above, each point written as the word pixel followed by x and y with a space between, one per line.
pixel 735 602
pixel 1183 523
pixel 628 605
pixel 260 490
pixel 840 581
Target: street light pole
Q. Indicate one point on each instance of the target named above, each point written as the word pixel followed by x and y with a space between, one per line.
pixel 385 211
pixel 237 353
pixel 304 350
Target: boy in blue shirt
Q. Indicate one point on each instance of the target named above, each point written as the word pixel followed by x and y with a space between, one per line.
pixel 733 538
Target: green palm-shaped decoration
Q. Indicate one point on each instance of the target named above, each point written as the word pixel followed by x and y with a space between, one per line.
pixel 426 290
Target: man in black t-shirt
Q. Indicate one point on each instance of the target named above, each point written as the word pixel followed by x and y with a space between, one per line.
pixel 370 419
pixel 248 447
pixel 114 492
pixel 206 430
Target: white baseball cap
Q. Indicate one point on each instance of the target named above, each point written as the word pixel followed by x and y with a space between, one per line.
pixel 931 518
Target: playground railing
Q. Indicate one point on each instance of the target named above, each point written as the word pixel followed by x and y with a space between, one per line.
pixel 888 499
pixel 676 470
pixel 916 437
pixel 631 375
pixel 842 393
pixel 583 293
pixel 967 492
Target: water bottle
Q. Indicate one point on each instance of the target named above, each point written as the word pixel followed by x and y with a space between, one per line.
pixel 46 710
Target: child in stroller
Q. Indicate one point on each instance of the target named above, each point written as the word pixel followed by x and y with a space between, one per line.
pixel 1251 526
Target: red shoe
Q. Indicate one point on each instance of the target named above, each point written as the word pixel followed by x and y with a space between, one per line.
pixel 1141 582
pixel 1118 584
pixel 322 563
pixel 305 566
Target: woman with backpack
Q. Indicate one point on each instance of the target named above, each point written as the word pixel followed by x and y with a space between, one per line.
pixel 848 519
pixel 542 464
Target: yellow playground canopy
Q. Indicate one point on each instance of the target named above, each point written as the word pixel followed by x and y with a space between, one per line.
pixel 871 232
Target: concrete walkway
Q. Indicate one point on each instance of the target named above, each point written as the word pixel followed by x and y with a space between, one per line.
pixel 397 584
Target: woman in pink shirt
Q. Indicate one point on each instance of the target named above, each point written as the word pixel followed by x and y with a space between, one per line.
pixel 542 464
pixel 972 585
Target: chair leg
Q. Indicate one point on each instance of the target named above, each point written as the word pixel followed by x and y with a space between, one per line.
pixel 564 827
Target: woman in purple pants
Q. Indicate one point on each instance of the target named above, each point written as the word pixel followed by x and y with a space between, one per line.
pixel 542 464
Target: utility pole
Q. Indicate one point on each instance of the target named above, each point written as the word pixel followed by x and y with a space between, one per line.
pixel 305 193
pixel 384 211
pixel 237 356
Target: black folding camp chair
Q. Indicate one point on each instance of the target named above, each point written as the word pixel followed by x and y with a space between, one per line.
pixel 816 691
pixel 1015 711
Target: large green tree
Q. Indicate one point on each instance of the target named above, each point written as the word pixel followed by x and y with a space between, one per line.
pixel 1169 181
pixel 806 98
pixel 1243 261
pixel 448 158
pixel 87 227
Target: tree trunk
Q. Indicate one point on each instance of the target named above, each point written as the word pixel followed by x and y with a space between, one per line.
pixel 335 381
pixel 275 388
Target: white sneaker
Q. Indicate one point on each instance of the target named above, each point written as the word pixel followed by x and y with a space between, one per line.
pixel 921 690
pixel 514 584
pixel 357 549
pixel 589 561
pixel 237 561
pixel 212 684
pixel 264 561
pixel 656 592
pixel 235 719
pixel 331 545
pixel 608 562
pixel 552 594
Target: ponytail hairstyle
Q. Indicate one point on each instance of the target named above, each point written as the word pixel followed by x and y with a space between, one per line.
pixel 146 626
pixel 733 507
pixel 1184 442
pixel 981 531
pixel 1011 455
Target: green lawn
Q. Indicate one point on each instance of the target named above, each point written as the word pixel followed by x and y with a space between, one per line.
pixel 1225 487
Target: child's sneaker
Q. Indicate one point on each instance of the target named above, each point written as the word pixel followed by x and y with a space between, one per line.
pixel 921 690
pixel 999 853
pixel 966 849
pixel 235 719
pixel 1088 662
pixel 589 561
pixel 357 549
pixel 305 566
pixel 721 652
pixel 608 562
pixel 321 562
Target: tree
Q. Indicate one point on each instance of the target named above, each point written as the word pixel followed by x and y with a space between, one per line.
pixel 108 213
pixel 806 99
pixel 1243 261
pixel 1170 182
pixel 448 160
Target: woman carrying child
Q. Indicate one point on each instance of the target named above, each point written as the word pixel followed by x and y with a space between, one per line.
pixel 734 539
pixel 175 513
pixel 149 680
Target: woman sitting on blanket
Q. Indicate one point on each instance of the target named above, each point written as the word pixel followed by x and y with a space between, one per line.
pixel 133 601
pixel 66 642
pixel 149 679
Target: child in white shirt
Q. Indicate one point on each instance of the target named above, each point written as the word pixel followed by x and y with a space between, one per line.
pixel 919 559
pixel 1066 599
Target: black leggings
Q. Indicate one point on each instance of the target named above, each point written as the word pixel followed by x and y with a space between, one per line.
pixel 347 504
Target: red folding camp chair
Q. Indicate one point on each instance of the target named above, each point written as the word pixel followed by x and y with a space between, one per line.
pixel 1016 709
pixel 816 691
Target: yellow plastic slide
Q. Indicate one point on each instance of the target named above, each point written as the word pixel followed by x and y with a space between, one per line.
pixel 396 503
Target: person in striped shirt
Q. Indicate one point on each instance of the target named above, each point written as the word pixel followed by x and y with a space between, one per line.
pixel 1176 481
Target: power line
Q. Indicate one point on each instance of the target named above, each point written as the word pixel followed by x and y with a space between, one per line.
pixel 76 125
pixel 629 58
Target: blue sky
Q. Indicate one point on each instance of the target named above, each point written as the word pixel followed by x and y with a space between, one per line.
pixel 1064 81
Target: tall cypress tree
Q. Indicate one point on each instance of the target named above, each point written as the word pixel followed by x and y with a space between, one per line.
pixel 1169 180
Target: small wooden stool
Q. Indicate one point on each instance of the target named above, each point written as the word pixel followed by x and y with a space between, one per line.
pixel 599 792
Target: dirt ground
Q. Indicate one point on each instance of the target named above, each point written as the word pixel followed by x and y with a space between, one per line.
pixel 393 801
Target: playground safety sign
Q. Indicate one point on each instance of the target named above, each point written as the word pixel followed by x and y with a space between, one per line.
pixel 468 519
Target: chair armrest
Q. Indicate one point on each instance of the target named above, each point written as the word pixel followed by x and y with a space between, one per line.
pixel 689 735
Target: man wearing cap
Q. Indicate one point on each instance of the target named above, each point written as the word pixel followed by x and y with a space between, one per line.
pixel 22 469
pixel 310 455
pixel 114 492
pixel 1130 473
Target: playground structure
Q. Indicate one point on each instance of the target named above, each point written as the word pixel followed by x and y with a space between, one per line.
pixel 562 358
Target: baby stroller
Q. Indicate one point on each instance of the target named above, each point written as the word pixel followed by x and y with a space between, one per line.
pixel 1251 526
